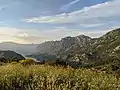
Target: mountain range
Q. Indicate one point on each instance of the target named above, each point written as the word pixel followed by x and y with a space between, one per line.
pixel 23 49
pixel 85 50
pixel 82 49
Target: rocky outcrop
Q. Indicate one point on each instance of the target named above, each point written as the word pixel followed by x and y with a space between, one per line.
pixel 65 44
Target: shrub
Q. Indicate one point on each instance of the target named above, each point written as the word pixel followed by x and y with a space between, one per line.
pixel 50 62
pixel 28 62
pixel 3 60
pixel 14 62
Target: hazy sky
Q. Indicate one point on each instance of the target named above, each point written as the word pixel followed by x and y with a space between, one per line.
pixel 36 21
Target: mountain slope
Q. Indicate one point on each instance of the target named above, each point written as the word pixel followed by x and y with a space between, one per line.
pixel 107 42
pixel 100 51
pixel 55 47
pixel 8 56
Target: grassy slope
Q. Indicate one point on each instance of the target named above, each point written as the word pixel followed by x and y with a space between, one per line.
pixel 36 77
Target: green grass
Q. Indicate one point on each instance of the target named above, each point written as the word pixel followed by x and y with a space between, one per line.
pixel 43 77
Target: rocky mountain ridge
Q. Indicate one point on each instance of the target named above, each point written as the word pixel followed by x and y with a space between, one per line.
pixel 55 47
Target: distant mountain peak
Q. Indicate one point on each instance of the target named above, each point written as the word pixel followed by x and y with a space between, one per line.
pixel 54 47
pixel 20 48
pixel 9 43
pixel 83 36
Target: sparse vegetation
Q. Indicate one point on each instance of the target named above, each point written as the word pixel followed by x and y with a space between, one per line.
pixel 43 77
pixel 28 62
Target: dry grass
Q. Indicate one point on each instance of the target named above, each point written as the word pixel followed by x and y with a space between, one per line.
pixel 43 77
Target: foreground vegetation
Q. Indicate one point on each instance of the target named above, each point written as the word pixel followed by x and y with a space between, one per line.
pixel 43 77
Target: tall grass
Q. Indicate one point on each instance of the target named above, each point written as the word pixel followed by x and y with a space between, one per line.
pixel 42 77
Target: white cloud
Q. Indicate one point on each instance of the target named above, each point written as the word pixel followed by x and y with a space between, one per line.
pixel 91 25
pixel 98 14
pixel 73 2
pixel 67 6
pixel 16 35
pixel 49 19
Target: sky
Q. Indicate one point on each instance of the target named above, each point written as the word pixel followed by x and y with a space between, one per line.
pixel 37 21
